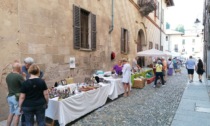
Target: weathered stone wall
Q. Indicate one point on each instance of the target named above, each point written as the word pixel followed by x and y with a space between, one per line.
pixel 43 29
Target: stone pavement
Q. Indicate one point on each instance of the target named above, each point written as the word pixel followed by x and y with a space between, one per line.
pixel 194 108
pixel 145 107
pixel 155 106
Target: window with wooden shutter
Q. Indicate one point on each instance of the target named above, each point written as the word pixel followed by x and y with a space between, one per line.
pixel 162 16
pixel 157 10
pixel 176 48
pixel 76 25
pixel 124 41
pixel 161 48
pixel 93 32
pixel 84 29
pixel 156 46
pixel 150 45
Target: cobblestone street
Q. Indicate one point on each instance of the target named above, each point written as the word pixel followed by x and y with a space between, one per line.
pixel 144 107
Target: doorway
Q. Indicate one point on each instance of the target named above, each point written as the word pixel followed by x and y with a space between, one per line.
pixel 140 43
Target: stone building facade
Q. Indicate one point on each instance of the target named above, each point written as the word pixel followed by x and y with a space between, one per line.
pixel 206 17
pixel 47 30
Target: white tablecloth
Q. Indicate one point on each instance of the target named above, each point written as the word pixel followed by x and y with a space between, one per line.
pixel 116 87
pixel 72 108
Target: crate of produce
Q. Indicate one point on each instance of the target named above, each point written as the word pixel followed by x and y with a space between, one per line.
pixel 139 83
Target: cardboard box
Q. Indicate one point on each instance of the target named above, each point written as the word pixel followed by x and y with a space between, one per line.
pixel 139 83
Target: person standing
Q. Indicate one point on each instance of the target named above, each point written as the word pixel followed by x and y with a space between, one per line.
pixel 159 72
pixel 174 60
pixel 28 62
pixel 135 66
pixel 200 69
pixel 190 65
pixel 126 77
pixel 117 68
pixel 164 69
pixel 170 67
pixel 14 82
pixel 34 97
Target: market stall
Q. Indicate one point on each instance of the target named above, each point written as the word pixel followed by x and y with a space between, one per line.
pixel 149 74
pixel 73 107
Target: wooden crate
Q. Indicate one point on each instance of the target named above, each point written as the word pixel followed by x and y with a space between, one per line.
pixel 139 83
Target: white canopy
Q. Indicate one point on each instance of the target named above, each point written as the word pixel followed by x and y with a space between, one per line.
pixel 152 52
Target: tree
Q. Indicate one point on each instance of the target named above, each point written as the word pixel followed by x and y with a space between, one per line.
pixel 180 28
pixel 167 25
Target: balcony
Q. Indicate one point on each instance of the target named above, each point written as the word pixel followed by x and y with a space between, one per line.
pixel 146 6
pixel 169 3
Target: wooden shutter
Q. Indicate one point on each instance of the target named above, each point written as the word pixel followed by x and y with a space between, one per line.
pixel 77 26
pixel 127 43
pixel 93 31
pixel 122 41
pixel 161 48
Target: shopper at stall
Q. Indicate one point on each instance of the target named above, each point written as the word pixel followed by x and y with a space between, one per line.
pixel 126 77
pixel 117 68
pixel 174 60
pixel 14 82
pixel 28 62
pixel 170 67
pixel 164 68
pixel 200 70
pixel 135 66
pixel 34 97
pixel 159 72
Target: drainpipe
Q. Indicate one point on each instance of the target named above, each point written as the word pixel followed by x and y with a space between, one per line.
pixel 160 21
pixel 110 31
pixel 112 26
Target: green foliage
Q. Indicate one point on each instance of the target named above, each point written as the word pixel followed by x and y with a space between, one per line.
pixel 167 25
pixel 180 28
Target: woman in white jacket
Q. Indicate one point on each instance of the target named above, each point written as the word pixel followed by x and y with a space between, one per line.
pixel 126 77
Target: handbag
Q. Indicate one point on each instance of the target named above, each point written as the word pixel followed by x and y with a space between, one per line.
pixel 17 95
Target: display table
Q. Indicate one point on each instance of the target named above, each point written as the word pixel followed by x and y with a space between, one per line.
pixel 75 106
pixel 116 87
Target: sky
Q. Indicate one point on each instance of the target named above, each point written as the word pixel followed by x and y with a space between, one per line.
pixel 184 12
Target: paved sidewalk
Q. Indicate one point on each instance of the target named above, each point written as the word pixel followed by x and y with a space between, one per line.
pixel 194 108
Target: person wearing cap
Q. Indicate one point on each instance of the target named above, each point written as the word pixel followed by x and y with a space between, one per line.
pixel 14 82
pixel 28 62
pixel 126 77
pixel 159 72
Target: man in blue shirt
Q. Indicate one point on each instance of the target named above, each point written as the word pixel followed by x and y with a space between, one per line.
pixel 190 65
